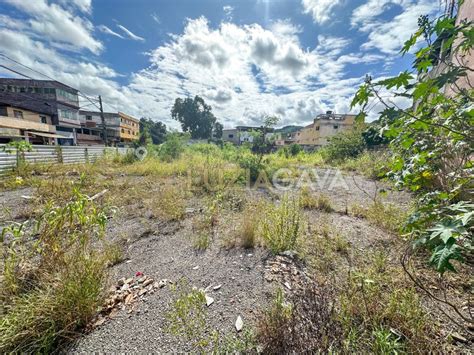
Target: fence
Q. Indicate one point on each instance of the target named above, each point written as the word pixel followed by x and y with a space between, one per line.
pixel 47 154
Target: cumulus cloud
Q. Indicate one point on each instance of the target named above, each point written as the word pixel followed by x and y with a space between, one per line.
pixel 58 24
pixel 320 10
pixel 388 34
pixel 130 34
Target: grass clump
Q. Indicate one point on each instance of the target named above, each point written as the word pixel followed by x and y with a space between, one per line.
pixel 385 215
pixel 311 201
pixel 282 225
pixel 52 285
pixel 306 324
pixel 379 311
pixel 169 203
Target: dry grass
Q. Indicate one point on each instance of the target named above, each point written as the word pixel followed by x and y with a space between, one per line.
pixel 307 323
pixel 384 215
pixel 309 200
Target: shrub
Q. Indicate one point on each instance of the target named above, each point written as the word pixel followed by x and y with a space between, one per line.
pixel 173 147
pixel 282 225
pixel 344 145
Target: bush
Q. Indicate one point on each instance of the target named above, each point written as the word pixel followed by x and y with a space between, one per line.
pixel 173 147
pixel 282 226
pixel 344 145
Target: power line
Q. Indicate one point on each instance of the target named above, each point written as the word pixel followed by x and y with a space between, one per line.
pixel 43 74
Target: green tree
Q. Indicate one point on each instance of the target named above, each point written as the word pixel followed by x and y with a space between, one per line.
pixel 218 129
pixel 152 131
pixel 195 116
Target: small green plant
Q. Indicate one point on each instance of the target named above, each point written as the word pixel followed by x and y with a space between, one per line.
pixel 344 145
pixel 385 342
pixel 282 225
pixel 20 147
pixel 187 316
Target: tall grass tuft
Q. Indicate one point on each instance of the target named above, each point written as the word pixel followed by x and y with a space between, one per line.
pixel 51 285
pixel 282 225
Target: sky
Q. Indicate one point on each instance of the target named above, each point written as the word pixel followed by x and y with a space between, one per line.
pixel 246 58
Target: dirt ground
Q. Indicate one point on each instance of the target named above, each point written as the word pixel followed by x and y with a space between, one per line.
pixel 247 277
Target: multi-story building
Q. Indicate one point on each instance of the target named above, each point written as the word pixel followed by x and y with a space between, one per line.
pixel 57 100
pixel 122 129
pixel 19 123
pixel 242 134
pixel 324 126
pixel 92 121
pixel 129 128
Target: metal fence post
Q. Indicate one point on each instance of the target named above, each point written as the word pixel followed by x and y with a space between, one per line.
pixel 86 154
pixel 59 154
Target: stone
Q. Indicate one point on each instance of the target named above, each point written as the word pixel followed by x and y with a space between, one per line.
pixel 121 281
pixel 129 280
pixel 287 285
pixel 147 282
pixel 215 288
pixel 142 292
pixel 196 267
pixel 162 283
pixel 209 300
pixel 239 324
pixel 129 298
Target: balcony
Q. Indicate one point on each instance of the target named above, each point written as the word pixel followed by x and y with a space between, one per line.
pixel 16 123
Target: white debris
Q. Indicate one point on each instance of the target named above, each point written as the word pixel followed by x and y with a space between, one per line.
pixel 215 288
pixel 209 300
pixel 239 323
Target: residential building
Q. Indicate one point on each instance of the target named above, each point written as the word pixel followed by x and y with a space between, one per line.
pixel 231 135
pixel 129 128
pixel 92 121
pixel 242 134
pixel 57 100
pixel 324 126
pixel 18 123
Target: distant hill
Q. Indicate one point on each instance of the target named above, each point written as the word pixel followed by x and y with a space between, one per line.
pixel 288 129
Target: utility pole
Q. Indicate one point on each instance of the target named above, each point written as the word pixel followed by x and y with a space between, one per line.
pixel 104 128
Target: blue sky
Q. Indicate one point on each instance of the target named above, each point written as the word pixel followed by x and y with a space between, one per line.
pixel 247 58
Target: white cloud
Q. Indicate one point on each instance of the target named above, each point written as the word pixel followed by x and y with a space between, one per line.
pixel 156 18
pixel 228 11
pixel 388 34
pixel 107 30
pixel 320 10
pixel 58 24
pixel 82 5
pixel 130 34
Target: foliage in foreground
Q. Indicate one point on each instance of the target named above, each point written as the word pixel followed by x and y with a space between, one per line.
pixel 51 285
pixel 432 139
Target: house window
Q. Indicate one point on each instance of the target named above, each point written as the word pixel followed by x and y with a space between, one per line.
pixel 317 128
pixel 43 119
pixel 123 131
pixel 336 126
pixel 89 118
pixel 231 136
pixel 17 114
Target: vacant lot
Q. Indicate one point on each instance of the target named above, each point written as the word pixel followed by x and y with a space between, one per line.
pixel 196 258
